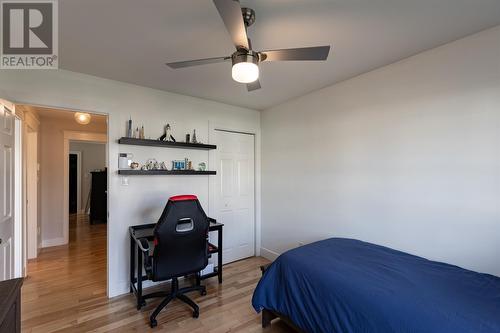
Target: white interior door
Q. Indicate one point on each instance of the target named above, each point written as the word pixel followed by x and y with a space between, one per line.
pixel 235 194
pixel 7 195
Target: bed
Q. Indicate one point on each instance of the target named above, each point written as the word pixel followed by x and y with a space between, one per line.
pixel 348 286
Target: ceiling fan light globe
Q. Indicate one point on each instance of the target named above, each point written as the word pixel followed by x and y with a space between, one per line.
pixel 245 72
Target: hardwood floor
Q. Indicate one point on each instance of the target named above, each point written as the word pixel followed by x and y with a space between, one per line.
pixel 66 292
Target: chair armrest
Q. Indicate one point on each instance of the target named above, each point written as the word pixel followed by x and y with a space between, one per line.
pixel 143 244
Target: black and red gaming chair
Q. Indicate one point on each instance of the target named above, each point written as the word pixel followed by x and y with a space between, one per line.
pixel 181 249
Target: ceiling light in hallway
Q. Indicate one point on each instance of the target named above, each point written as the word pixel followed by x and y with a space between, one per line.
pixel 82 118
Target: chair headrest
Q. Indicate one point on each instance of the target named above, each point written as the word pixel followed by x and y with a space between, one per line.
pixel 185 197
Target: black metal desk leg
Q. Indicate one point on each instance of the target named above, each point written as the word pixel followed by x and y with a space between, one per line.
pixel 132 263
pixel 139 279
pixel 219 255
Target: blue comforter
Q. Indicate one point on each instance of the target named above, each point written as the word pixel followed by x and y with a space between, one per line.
pixel 345 285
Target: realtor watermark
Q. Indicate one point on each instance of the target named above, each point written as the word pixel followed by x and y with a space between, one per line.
pixel 29 34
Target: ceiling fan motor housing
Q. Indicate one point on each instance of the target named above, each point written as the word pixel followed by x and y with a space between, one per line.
pixel 245 56
pixel 248 16
pixel 245 66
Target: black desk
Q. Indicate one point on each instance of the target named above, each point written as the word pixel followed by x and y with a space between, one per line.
pixel 145 231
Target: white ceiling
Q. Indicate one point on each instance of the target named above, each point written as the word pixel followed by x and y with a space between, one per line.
pixel 130 40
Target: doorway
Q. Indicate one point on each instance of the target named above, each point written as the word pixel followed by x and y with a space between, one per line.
pixel 235 193
pixel 74 180
pixel 58 166
pixel 87 182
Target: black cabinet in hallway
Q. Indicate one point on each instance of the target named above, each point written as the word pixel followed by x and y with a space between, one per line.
pixel 99 197
pixel 73 183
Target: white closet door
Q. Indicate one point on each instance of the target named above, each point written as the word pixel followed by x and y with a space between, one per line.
pixel 235 191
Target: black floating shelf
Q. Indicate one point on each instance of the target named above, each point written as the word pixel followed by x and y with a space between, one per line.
pixel 164 172
pixel 166 144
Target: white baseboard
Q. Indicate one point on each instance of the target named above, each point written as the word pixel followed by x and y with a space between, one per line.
pixel 268 254
pixel 118 289
pixel 53 242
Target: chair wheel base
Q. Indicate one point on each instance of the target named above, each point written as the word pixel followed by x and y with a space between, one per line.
pixel 203 293
pixel 153 323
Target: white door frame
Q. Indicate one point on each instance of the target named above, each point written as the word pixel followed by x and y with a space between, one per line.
pixel 31 126
pixel 74 136
pixel 100 112
pixel 78 180
pixel 213 127
pixel 18 197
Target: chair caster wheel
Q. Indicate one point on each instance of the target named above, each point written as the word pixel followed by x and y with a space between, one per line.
pixel 203 293
pixel 196 314
pixel 153 323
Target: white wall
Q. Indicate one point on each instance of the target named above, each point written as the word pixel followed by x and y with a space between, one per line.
pixel 51 156
pixel 143 200
pixel 93 157
pixel 406 156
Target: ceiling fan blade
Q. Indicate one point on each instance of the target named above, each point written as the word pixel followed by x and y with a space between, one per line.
pixel 189 63
pixel 303 53
pixel 253 85
pixel 230 11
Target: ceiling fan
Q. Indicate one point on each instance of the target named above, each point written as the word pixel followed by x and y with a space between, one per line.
pixel 245 61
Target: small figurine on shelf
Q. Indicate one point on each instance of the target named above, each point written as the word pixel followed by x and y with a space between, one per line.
pixel 163 166
pixel 178 165
pixel 141 132
pixel 129 127
pixel 193 139
pixel 187 138
pixel 170 137
pixel 167 134
pixel 151 164
pixel 136 134
pixel 202 166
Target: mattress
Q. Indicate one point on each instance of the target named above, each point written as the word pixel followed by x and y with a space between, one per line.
pixel 348 286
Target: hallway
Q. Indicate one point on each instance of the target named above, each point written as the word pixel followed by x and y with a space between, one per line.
pixel 64 280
